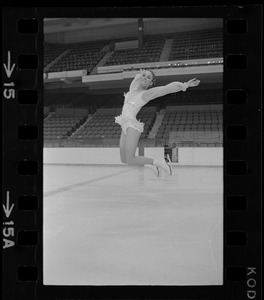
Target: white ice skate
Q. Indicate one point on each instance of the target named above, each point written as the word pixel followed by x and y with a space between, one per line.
pixel 164 165
pixel 154 169
pixel 169 163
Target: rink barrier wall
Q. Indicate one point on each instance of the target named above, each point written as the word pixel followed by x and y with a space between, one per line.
pixel 84 156
pixel 200 156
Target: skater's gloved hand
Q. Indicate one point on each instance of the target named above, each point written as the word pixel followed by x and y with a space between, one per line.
pixel 138 75
pixel 193 82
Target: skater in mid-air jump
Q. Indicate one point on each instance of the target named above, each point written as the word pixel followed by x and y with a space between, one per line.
pixel 142 91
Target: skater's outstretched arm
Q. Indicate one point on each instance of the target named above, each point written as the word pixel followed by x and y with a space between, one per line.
pixel 173 87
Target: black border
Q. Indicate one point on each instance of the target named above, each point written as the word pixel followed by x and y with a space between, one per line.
pixel 246 184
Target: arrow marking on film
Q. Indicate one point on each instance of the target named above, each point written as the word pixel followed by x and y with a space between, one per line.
pixel 6 208
pixel 7 68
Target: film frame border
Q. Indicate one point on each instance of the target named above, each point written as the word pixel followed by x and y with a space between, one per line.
pixel 23 158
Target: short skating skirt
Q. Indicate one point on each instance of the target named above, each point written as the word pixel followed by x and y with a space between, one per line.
pixel 128 121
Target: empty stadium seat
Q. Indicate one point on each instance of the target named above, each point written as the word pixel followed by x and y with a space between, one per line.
pixel 82 56
pixel 197 44
pixel 62 126
pixel 149 52
pixel 191 127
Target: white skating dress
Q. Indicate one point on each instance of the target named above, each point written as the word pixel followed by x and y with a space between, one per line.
pixel 135 100
pixel 132 104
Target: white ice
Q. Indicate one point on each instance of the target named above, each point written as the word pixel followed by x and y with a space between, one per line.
pixel 120 225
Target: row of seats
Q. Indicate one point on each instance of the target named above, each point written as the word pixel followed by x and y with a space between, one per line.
pixel 149 52
pixel 66 99
pixel 52 51
pixel 104 126
pixel 98 127
pixel 193 136
pixel 195 97
pixel 201 44
pixel 82 56
pixel 85 55
pixel 192 97
pixel 62 126
pixel 176 127
pixel 192 121
pixel 192 116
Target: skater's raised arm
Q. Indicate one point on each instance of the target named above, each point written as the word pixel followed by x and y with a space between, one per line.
pixel 173 87
pixel 135 81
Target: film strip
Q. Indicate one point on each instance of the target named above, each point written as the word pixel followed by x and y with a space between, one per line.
pixel 22 132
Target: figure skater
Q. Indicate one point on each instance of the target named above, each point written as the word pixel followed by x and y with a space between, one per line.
pixel 141 91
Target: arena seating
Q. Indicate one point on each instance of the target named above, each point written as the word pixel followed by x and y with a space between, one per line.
pixel 83 56
pixel 186 45
pixel 114 101
pixel 51 51
pixel 148 119
pixel 192 97
pixel 192 127
pixel 201 123
pixel 195 97
pixel 86 55
pixel 185 128
pixel 149 52
pixel 197 44
pixel 62 126
pixel 65 99
pixel 99 126
pixel 103 125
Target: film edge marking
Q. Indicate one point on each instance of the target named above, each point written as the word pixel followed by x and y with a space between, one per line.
pixel 9 231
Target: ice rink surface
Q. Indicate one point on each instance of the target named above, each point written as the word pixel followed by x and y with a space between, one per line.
pixel 120 225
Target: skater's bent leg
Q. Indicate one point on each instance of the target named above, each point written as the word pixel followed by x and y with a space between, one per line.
pixel 132 139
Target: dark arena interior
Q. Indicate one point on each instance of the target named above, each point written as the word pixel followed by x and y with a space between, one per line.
pixel 89 64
